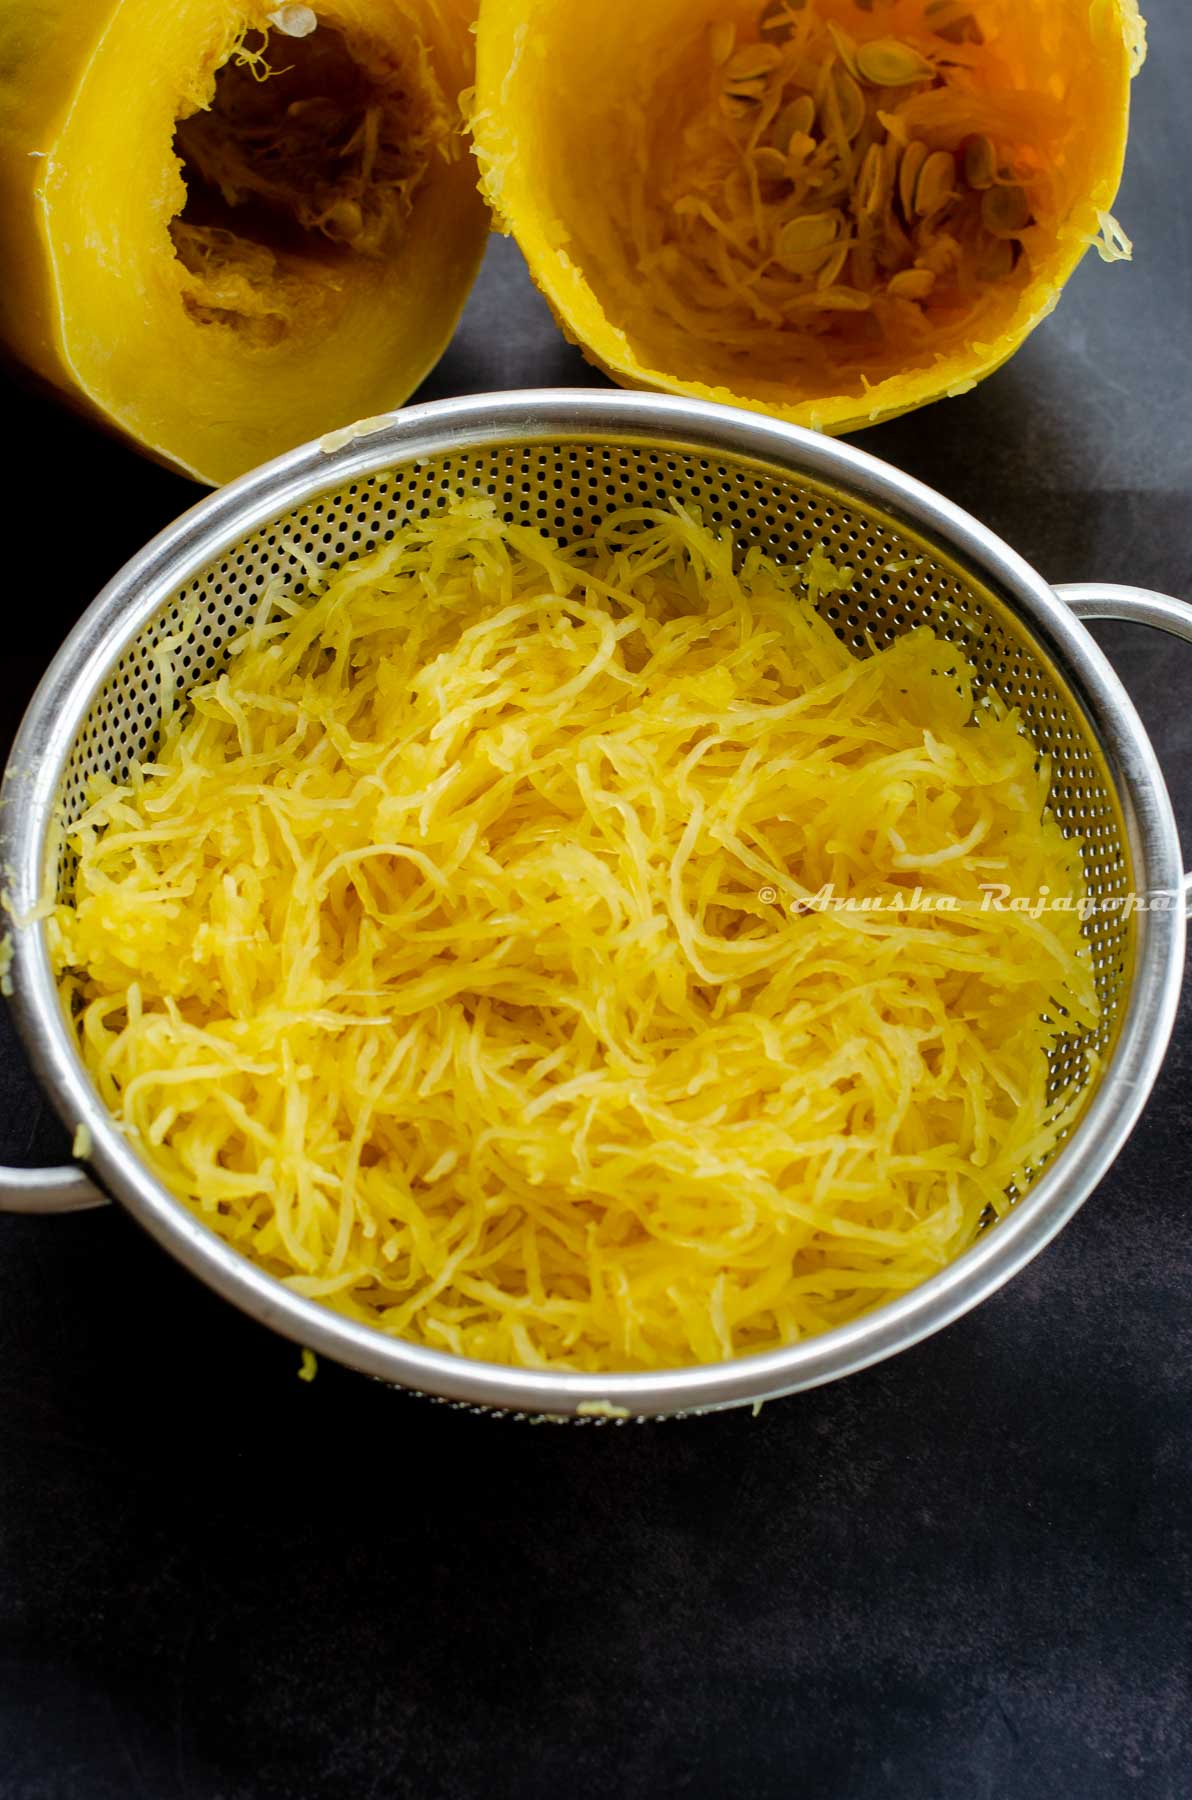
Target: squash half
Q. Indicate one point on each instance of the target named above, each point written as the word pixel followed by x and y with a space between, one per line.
pixel 226 228
pixel 829 210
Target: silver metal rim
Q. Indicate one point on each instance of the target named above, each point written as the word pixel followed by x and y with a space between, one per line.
pixel 558 415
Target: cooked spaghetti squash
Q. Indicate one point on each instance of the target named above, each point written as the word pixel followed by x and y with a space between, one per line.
pixel 580 958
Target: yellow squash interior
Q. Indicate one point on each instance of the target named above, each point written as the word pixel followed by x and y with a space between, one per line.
pixel 832 210
pixel 245 225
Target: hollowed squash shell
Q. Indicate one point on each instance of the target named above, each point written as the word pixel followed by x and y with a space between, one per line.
pixel 829 210
pixel 227 228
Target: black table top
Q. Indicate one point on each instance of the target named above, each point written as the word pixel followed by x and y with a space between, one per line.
pixel 964 1575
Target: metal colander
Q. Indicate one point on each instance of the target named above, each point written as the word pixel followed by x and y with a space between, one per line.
pixel 562 461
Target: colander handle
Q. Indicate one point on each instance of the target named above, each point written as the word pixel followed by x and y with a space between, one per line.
pixel 1133 606
pixel 48 1191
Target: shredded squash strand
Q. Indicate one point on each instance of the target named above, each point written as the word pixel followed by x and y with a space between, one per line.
pixel 461 956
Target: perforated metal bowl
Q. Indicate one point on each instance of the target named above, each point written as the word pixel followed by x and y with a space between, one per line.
pixel 562 461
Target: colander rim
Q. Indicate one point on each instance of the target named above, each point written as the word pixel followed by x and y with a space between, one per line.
pixel 591 416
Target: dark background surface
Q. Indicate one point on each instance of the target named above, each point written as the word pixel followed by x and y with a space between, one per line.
pixel 964 1575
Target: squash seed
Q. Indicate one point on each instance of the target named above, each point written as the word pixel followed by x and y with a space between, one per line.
pixel 1005 211
pixel 812 232
pixel 980 162
pixel 795 120
pixel 872 193
pixel 846 49
pixel 345 220
pixel 752 62
pixel 913 158
pixel 887 63
pixel 770 164
pixel 851 101
pixel 830 274
pixel 912 284
pixel 936 183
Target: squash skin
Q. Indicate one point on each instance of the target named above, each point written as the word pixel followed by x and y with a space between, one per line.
pixel 89 183
pixel 529 49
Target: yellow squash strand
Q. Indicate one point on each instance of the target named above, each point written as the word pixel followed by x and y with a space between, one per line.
pixel 463 957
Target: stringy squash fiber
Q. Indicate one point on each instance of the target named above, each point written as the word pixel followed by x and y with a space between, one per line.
pixel 461 957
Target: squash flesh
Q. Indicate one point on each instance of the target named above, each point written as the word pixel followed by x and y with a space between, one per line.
pixel 610 147
pixel 578 956
pixel 221 336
